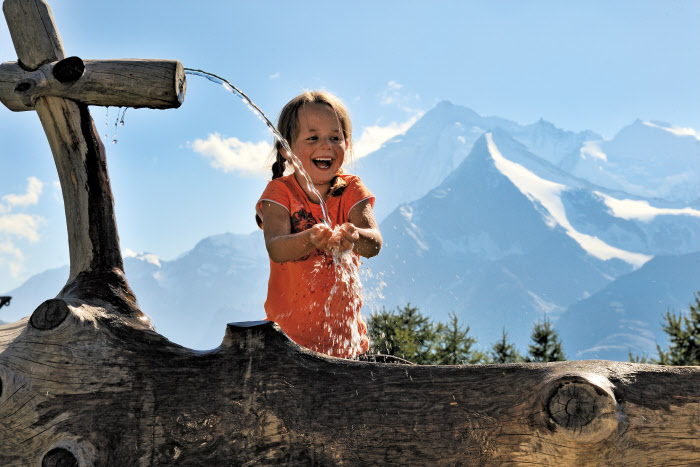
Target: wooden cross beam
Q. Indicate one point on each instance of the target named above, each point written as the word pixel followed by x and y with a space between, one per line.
pixel 60 89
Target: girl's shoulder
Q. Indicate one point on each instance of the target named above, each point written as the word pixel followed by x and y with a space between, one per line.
pixel 350 180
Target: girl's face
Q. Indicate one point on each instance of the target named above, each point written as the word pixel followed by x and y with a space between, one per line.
pixel 320 144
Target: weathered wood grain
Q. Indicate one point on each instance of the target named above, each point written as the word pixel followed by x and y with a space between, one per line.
pixel 111 392
pixel 155 84
pixel 33 32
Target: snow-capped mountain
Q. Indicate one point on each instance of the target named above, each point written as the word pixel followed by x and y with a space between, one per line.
pixel 493 244
pixel 407 167
pixel 649 159
pixel 499 222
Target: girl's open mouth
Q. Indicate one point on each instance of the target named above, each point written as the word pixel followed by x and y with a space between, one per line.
pixel 323 163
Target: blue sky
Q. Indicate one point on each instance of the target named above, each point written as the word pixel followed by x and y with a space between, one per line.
pixel 594 65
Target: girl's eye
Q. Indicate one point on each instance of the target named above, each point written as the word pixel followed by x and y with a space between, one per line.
pixel 312 138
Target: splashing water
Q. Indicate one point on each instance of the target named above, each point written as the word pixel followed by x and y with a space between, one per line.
pixel 296 163
pixel 347 273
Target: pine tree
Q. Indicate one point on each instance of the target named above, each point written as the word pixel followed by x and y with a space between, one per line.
pixel 455 346
pixel 403 333
pixel 684 333
pixel 505 352
pixel 547 347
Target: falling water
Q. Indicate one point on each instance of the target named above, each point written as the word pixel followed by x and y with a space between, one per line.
pixel 117 123
pixel 296 163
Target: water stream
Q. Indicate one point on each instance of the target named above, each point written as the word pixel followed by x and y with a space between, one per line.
pixel 296 163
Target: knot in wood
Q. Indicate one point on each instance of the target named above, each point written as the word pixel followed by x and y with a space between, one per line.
pixel 25 85
pixel 49 314
pixel 59 457
pixel 573 406
pixel 583 410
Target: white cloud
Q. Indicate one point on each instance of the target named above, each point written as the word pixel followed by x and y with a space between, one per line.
pixel 373 137
pixel 34 189
pixel 11 250
pixel 234 155
pixel 147 257
pixel 275 75
pixel 18 225
pixel 21 225
pixel 395 95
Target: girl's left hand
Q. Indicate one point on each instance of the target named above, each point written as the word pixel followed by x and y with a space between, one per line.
pixel 345 237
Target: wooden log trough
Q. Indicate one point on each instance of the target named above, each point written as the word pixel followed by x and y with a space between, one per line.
pixel 86 381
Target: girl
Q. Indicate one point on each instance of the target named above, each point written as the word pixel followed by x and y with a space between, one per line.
pixel 309 296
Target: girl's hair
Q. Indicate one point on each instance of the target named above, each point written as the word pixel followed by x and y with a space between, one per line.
pixel 288 126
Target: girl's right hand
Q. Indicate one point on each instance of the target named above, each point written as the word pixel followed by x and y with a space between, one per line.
pixel 319 236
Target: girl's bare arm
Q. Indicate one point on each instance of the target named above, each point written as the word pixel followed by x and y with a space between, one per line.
pixel 282 245
pixel 369 241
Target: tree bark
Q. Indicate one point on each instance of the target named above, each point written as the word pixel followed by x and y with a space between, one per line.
pixel 104 391
pixel 155 84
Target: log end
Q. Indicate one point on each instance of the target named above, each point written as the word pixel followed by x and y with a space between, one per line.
pixel 68 70
pixel 59 457
pixel 180 83
pixel 582 408
pixel 49 315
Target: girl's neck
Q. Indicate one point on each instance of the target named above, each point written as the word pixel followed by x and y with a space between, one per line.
pixel 323 189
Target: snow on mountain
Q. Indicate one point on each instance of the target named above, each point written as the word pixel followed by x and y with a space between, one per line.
pixel 548 195
pixel 648 159
pixel 408 166
pixel 627 315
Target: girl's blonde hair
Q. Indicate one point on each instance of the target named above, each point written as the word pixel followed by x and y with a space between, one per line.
pixel 288 123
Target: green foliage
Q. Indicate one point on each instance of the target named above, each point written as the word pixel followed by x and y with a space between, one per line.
pixel 404 333
pixel 546 345
pixel 505 352
pixel 407 333
pixel 684 333
pixel 455 345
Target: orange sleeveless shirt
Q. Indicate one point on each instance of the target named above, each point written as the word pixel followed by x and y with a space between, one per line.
pixel 310 298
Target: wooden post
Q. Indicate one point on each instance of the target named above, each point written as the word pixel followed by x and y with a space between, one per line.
pixel 85 381
pixel 60 90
